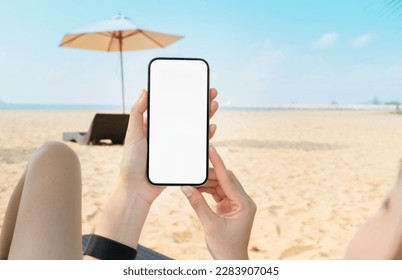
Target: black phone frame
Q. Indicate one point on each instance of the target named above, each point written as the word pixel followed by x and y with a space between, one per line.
pixel 149 120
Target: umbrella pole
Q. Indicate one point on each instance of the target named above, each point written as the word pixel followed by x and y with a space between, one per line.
pixel 121 68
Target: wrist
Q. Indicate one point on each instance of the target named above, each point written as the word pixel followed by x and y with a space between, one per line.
pixel 228 252
pixel 135 190
pixel 123 217
pixel 128 200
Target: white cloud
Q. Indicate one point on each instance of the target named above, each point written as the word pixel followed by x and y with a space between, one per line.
pixel 363 40
pixel 326 41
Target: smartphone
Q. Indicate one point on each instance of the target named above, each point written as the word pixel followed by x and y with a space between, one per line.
pixel 178 121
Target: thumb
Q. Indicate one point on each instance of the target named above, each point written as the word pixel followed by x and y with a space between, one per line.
pixel 200 206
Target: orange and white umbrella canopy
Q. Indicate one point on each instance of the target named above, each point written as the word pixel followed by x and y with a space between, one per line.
pixel 117 34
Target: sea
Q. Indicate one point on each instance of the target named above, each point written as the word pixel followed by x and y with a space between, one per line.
pixel 97 107
pixel 7 106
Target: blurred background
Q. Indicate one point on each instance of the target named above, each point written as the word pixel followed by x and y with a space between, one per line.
pixel 260 52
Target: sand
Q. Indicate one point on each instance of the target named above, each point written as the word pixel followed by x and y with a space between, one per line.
pixel 314 175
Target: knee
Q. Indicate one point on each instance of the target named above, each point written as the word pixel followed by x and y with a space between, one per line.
pixel 56 170
pixel 56 151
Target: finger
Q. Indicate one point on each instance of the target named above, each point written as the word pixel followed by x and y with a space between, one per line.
pixel 220 170
pixel 213 109
pixel 200 206
pixel 217 196
pixel 229 186
pixel 213 184
pixel 212 130
pixel 213 93
pixel 145 125
pixel 210 182
pixel 135 129
pixel 212 174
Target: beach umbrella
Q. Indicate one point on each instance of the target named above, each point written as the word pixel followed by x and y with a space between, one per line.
pixel 117 34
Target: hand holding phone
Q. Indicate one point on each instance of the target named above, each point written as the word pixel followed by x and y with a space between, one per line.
pixel 134 192
pixel 227 228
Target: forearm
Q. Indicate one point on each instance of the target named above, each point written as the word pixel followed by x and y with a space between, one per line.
pixel 123 217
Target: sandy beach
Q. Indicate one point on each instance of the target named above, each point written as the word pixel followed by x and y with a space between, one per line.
pixel 314 175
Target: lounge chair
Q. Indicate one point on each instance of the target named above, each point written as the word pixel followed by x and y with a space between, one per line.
pixel 104 126
pixel 143 253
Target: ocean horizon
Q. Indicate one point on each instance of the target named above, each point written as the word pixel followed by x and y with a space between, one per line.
pixel 108 107
pixel 27 106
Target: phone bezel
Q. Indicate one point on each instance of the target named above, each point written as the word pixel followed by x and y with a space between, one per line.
pixel 149 120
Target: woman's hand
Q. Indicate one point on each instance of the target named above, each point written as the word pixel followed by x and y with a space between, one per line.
pixel 134 161
pixel 227 230
pixel 133 166
pixel 126 210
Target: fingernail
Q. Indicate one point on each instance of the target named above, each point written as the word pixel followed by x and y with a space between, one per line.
pixel 188 191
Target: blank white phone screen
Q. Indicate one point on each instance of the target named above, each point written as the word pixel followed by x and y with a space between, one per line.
pixel 178 121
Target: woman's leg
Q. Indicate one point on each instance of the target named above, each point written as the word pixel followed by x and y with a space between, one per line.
pixel 9 219
pixel 43 218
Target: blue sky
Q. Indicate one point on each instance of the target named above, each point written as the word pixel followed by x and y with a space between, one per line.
pixel 260 52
